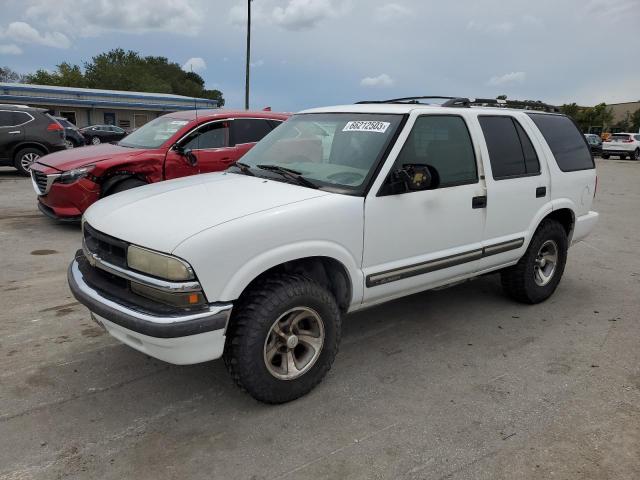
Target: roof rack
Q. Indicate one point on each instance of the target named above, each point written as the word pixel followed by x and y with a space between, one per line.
pixel 463 102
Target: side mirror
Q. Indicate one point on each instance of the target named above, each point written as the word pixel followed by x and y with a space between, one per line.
pixel 416 176
pixel 188 155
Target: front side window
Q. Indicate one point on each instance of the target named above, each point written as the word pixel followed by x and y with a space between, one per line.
pixel 511 152
pixel 154 133
pixel 338 151
pixel 249 130
pixel 6 118
pixel 442 142
pixel 565 141
pixel 212 135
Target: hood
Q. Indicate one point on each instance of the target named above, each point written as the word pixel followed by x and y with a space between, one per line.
pixel 78 157
pixel 162 215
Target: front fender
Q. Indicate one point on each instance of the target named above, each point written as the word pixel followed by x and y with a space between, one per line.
pixel 288 253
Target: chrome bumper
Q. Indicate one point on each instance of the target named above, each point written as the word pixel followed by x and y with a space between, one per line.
pixel 215 317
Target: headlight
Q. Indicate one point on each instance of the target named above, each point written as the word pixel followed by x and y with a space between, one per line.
pixel 75 174
pixel 158 264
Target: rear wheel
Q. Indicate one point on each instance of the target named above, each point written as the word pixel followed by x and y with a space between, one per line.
pixel 623 157
pixel 636 154
pixel 283 338
pixel 535 277
pixel 25 157
pixel 605 156
pixel 69 144
pixel 95 140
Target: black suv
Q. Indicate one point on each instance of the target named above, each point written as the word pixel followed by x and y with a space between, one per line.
pixel 27 134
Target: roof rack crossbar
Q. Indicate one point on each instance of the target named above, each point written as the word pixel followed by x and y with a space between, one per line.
pixel 463 102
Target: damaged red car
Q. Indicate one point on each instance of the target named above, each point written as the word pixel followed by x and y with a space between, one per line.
pixel 171 146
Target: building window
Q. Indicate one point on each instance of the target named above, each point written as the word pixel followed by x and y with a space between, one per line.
pixel 109 118
pixel 139 119
pixel 71 116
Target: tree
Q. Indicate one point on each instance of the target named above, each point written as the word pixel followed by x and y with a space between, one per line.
pixel 571 109
pixel 635 121
pixel 118 69
pixel 11 76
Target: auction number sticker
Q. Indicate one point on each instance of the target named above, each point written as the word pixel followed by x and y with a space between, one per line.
pixel 366 126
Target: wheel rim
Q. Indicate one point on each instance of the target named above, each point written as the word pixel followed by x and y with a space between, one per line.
pixel 95 140
pixel 545 263
pixel 27 159
pixel 69 144
pixel 294 343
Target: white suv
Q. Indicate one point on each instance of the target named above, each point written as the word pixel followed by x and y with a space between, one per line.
pixel 336 210
pixel 623 145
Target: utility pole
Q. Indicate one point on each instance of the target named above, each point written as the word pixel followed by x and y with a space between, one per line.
pixel 246 85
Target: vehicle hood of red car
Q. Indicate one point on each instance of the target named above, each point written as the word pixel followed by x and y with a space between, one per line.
pixel 79 157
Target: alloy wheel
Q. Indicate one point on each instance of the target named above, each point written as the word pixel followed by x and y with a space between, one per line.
pixel 545 263
pixel 27 159
pixel 294 343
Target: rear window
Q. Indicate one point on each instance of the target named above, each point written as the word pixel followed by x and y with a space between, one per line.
pixel 565 141
pixel 510 151
pixel 619 138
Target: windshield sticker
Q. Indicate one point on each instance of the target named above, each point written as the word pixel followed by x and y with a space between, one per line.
pixel 178 122
pixel 366 126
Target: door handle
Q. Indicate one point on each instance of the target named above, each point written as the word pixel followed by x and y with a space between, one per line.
pixel 479 202
pixel 14 132
pixel 541 192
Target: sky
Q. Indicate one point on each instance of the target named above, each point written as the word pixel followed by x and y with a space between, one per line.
pixel 309 53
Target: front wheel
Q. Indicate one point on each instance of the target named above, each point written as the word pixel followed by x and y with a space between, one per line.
pixel 95 141
pixel 282 338
pixel 535 277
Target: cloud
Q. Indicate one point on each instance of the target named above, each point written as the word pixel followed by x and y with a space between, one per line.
pixel 195 64
pixel 500 28
pixel 89 18
pixel 390 12
pixel 22 32
pixel 257 63
pixel 507 79
pixel 294 15
pixel 10 49
pixel 382 80
pixel 303 14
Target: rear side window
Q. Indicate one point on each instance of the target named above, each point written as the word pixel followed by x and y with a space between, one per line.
pixel 20 118
pixel 249 130
pixel 511 152
pixel 444 143
pixel 565 141
pixel 6 118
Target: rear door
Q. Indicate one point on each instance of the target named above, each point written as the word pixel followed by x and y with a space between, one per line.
pixel 246 132
pixel 10 134
pixel 517 186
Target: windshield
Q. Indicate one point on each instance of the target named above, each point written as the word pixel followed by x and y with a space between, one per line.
pixel 154 133
pixel 331 149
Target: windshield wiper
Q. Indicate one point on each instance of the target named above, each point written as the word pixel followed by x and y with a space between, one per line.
pixel 244 168
pixel 289 173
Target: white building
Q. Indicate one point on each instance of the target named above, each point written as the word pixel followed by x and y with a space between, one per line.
pixel 88 106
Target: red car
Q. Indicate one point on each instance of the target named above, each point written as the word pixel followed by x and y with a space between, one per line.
pixel 171 146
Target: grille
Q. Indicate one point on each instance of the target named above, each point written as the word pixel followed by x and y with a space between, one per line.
pixel 106 247
pixel 40 179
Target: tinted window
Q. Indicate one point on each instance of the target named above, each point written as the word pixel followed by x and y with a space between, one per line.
pixel 637 137
pixel 565 141
pixel 6 118
pixel 249 130
pixel 20 118
pixel 213 135
pixel 531 163
pixel 442 142
pixel 505 148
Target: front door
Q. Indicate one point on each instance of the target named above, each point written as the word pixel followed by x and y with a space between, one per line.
pixel 418 239
pixel 210 145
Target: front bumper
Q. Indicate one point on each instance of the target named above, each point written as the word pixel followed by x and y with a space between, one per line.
pixel 180 339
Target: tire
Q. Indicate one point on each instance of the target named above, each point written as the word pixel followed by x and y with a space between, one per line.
pixel 636 154
pixel 95 141
pixel 623 157
pixel 25 157
pixel 530 282
pixel 255 355
pixel 69 144
pixel 605 156
pixel 127 184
